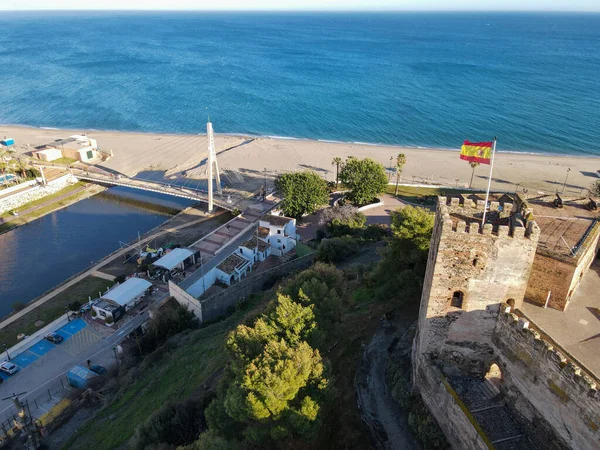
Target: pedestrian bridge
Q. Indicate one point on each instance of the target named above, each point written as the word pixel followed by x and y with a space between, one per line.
pixel 150 186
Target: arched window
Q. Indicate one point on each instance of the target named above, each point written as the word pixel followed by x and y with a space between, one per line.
pixel 511 303
pixel 475 262
pixel 457 299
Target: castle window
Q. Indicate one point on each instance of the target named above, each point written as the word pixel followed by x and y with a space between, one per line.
pixel 511 303
pixel 457 299
pixel 475 262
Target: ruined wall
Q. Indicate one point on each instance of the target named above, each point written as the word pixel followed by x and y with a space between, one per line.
pixel 487 266
pixel 541 381
pixel 460 428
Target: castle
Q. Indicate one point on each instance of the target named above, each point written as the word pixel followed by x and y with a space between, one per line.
pixel 490 376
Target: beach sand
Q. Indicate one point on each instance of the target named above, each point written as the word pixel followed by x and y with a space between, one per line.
pixel 243 160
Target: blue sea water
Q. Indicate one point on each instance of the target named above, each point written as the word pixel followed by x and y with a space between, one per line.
pixel 418 79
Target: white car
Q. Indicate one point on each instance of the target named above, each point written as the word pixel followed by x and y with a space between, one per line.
pixel 8 367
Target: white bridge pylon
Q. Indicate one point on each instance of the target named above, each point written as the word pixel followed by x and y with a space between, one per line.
pixel 212 160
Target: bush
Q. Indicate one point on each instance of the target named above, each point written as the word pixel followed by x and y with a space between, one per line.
pixel 173 423
pixel 337 249
pixel 120 279
pixel 174 319
pixel 109 320
pixel 94 313
pixel 18 306
pixel 74 306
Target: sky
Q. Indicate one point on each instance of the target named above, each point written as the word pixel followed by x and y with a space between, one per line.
pixel 403 5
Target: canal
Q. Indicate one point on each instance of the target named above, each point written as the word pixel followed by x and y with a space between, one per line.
pixel 41 254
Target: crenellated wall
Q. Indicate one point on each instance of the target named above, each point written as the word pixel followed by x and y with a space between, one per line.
pixel 486 266
pixel 543 381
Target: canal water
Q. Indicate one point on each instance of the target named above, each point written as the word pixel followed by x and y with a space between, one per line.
pixel 41 254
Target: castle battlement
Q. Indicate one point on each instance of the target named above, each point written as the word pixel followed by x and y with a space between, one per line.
pixel 511 326
pixel 463 215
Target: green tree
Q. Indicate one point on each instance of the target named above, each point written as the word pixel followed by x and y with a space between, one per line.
pixel 365 178
pixel 337 161
pixel 400 161
pixel 337 249
pixel 303 193
pixel 473 166
pixel 404 260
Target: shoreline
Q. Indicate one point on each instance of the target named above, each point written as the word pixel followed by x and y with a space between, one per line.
pixel 581 154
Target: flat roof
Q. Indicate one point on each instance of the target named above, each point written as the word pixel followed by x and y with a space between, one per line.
pixel 254 242
pixel 172 259
pixel 127 291
pixel 279 221
pixel 562 230
pixel 232 262
pixel 263 232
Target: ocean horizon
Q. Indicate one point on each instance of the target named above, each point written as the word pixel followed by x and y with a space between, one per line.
pixel 421 80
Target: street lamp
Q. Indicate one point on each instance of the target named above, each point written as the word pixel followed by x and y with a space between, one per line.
pixel 265 182
pixel 116 357
pixel 390 173
pixel 67 311
pixel 6 350
pixel 565 183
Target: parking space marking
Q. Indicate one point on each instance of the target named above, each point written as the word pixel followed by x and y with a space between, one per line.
pixel 41 348
pixel 80 341
pixel 24 359
pixel 73 326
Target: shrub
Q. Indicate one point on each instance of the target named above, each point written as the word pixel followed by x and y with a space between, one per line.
pixel 109 320
pixel 74 306
pixel 94 313
pixel 174 424
pixel 337 249
pixel 120 279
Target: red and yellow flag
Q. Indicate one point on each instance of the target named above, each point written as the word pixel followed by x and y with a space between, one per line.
pixel 480 152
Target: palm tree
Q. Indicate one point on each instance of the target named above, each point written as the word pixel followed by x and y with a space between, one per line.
pixel 337 161
pixel 473 165
pixel 400 161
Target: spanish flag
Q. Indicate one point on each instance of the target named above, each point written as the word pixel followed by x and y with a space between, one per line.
pixel 477 152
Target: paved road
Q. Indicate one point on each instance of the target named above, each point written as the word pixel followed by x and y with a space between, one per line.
pixel 41 379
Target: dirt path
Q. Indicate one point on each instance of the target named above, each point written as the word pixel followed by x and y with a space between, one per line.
pixel 384 417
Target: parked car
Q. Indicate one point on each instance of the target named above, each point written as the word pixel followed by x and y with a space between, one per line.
pixel 54 338
pixel 98 369
pixel 8 367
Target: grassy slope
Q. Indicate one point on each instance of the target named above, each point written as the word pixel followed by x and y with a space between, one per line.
pixel 53 308
pixel 175 377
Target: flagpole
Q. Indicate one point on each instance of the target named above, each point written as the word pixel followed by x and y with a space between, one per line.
pixel 487 194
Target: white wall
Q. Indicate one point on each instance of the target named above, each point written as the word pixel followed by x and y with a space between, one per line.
pixel 247 253
pixel 197 289
pixel 185 299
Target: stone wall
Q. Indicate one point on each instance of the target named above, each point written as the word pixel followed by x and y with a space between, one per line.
pixel 486 267
pixel 35 193
pixel 218 305
pixel 460 428
pixel 544 382
pixel 549 274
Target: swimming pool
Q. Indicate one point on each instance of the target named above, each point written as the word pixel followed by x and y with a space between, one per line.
pixel 5 178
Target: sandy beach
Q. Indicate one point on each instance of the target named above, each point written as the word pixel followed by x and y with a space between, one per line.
pixel 244 161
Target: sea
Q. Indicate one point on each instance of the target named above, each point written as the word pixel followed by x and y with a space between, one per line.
pixel 411 79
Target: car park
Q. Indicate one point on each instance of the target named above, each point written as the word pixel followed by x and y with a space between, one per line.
pixel 8 367
pixel 54 338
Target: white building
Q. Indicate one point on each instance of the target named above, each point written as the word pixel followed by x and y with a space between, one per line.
pixel 255 249
pixel 233 268
pixel 279 232
pixel 77 147
pixel 118 300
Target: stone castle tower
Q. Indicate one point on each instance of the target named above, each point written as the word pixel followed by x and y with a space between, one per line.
pixel 470 272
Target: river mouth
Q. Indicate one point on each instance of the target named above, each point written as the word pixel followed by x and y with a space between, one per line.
pixel 39 255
